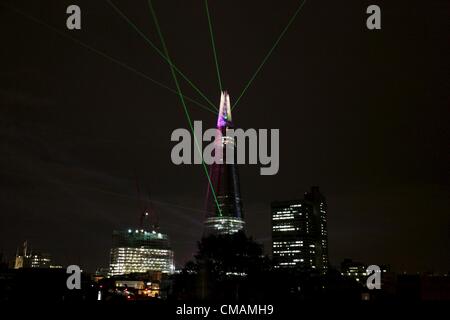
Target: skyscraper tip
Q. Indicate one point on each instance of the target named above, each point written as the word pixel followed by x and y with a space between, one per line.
pixel 224 117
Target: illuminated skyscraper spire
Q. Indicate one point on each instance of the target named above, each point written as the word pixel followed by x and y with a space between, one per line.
pixel 224 118
pixel 225 180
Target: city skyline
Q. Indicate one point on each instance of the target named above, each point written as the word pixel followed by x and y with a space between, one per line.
pixel 361 114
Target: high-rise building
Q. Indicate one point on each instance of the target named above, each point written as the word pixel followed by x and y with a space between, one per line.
pixel 299 233
pixel 224 203
pixel 136 251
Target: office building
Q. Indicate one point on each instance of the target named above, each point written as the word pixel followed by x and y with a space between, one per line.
pixel 137 251
pixel 299 233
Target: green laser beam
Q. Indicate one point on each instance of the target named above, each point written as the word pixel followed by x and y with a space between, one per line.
pixel 186 112
pixel 213 44
pixel 159 52
pixel 118 62
pixel 269 53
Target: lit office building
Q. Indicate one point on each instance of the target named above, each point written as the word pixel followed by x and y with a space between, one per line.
pixel 137 251
pixel 358 270
pixel 299 233
pixel 40 260
pixel 353 269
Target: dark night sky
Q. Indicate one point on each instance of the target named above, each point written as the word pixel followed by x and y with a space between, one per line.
pixel 362 114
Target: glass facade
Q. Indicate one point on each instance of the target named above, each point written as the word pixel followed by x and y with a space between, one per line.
pixel 140 251
pixel 224 225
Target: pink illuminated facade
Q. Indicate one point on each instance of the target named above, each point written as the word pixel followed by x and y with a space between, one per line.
pixel 224 205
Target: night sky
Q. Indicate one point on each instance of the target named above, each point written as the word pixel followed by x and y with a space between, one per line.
pixel 362 114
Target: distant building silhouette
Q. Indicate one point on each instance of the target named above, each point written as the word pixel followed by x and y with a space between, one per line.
pixel 25 258
pixel 41 260
pixel 353 269
pixel 357 270
pixel 136 251
pixel 224 203
pixel 3 261
pixel 299 233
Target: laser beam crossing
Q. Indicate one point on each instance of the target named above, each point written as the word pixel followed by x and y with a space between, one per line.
pixel 188 117
pixel 106 56
pixel 269 53
pixel 130 23
pixel 213 45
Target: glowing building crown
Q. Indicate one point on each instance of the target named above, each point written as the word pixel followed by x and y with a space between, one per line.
pixel 224 118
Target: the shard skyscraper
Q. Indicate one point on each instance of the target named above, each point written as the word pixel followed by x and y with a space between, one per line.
pixel 224 203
